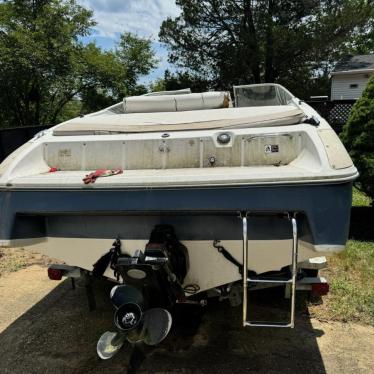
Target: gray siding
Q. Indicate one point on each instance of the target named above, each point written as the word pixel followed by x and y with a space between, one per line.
pixel 340 86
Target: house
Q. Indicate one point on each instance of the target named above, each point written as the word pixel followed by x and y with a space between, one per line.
pixel 350 77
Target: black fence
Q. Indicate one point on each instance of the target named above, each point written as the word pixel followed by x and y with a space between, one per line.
pixel 11 139
pixel 335 112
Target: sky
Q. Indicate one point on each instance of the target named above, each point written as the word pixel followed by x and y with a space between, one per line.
pixel 142 17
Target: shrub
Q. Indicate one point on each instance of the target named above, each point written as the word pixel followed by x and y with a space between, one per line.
pixel 358 136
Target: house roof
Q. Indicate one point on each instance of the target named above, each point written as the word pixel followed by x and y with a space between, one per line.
pixel 355 64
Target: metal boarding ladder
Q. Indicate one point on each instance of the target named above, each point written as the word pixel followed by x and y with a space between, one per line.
pixel 291 281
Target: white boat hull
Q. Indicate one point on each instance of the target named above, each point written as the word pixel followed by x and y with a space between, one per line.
pixel 207 267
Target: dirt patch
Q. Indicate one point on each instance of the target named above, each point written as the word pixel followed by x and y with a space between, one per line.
pixel 46 326
pixel 14 259
pixel 21 290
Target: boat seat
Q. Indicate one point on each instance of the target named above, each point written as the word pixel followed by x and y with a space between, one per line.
pixel 177 103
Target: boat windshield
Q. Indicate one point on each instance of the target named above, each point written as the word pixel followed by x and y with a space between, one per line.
pixel 261 95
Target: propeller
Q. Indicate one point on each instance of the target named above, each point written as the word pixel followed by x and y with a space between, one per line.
pixel 128 316
pixel 134 325
pixel 123 294
pixel 109 344
pixel 156 325
pixel 153 328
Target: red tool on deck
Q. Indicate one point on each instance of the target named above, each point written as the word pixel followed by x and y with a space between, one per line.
pixel 91 178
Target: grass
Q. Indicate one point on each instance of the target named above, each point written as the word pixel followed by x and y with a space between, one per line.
pixel 360 199
pixel 12 260
pixel 351 277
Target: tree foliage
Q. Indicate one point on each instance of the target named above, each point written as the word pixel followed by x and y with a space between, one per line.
pixel 253 41
pixel 136 54
pixel 44 66
pixel 358 136
pixel 180 80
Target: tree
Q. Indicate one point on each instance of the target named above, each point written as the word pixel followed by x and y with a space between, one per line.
pixel 44 66
pixel 115 74
pixel 358 136
pixel 38 46
pixel 253 41
pixel 180 80
pixel 137 56
pixel 157 85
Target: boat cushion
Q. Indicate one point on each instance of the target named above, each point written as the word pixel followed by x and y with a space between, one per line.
pixel 176 103
pixel 190 120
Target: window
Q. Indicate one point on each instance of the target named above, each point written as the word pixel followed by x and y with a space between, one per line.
pixel 261 95
pixel 353 85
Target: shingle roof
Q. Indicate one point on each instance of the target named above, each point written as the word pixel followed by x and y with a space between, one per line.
pixel 358 62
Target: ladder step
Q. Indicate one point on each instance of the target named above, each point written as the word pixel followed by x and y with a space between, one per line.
pixel 268 324
pixel 269 280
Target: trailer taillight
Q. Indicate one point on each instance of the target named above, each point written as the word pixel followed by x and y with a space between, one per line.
pixel 320 289
pixel 54 274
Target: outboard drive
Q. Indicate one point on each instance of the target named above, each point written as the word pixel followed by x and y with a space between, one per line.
pixel 151 283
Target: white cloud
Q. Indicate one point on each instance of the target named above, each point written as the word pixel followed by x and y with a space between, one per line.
pixel 142 17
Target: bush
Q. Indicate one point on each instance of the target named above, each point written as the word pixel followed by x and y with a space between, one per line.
pixel 358 136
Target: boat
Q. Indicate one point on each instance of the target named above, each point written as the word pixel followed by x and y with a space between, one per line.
pixel 182 193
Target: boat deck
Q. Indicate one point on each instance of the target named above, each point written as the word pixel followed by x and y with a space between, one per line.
pixel 188 177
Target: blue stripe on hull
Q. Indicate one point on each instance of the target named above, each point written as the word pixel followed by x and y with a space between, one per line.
pixel 324 212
